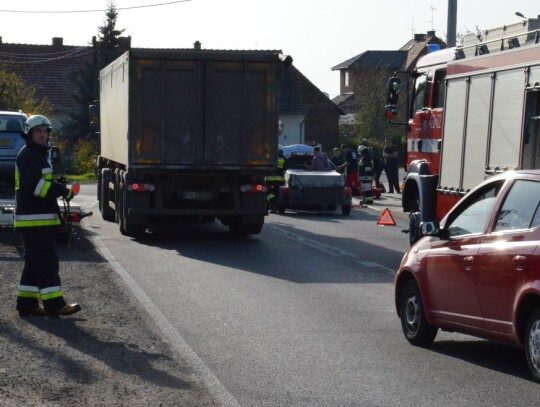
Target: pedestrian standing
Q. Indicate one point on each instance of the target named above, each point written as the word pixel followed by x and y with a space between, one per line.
pixel 351 179
pixel 391 165
pixel 365 174
pixel 338 161
pixel 36 217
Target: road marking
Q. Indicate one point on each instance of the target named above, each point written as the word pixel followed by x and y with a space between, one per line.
pixel 215 387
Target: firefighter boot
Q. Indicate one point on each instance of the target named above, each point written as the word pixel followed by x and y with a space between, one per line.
pixel 39 311
pixel 68 309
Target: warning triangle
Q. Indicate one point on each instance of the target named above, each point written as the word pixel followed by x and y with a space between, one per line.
pixel 386 219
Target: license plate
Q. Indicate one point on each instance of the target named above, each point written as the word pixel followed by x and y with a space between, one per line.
pixel 189 195
pixel 198 195
pixel 6 142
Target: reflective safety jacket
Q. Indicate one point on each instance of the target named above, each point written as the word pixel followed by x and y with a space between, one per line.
pixel 36 192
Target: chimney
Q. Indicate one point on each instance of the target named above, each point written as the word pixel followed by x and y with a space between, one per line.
pixel 57 41
pixel 431 33
pixel 124 43
pixel 197 45
pixel 419 37
pixel 0 40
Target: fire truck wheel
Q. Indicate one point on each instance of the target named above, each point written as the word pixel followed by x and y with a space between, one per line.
pixel 414 227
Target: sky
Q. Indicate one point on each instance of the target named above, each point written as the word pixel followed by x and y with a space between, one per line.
pixel 318 34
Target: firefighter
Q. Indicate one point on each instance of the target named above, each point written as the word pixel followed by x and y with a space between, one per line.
pixel 36 217
pixel 274 182
pixel 365 173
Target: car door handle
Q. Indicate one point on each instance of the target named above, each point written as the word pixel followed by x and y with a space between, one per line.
pixel 519 262
pixel 468 262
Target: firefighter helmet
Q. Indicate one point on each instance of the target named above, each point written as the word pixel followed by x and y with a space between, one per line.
pixel 361 148
pixel 37 120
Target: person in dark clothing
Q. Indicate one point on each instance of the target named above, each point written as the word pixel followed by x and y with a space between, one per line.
pixel 274 183
pixel 338 161
pixel 365 174
pixel 36 217
pixel 351 179
pixel 391 166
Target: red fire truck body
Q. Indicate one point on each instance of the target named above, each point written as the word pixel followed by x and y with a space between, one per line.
pixel 470 116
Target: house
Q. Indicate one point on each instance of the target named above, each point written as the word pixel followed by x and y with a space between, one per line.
pixel 47 67
pixel 307 115
pixel 380 65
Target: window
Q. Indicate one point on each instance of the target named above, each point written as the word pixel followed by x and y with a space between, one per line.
pixel 439 88
pixel 520 209
pixel 347 79
pixel 420 93
pixel 474 211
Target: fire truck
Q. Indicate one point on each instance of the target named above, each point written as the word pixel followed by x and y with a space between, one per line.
pixel 473 111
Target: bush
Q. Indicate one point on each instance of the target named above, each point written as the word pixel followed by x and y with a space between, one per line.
pixel 84 153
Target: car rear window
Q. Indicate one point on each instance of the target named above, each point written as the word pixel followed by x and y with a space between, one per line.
pixel 521 207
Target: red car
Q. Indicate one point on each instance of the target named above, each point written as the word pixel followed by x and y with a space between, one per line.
pixel 478 272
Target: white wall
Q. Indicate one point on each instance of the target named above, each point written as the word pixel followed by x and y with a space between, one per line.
pixel 293 132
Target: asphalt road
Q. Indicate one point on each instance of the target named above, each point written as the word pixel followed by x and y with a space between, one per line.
pixel 302 314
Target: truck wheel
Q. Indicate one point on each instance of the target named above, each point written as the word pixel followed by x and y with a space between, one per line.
pixel 107 212
pixel 245 229
pixel 415 233
pixel 345 210
pixel 127 228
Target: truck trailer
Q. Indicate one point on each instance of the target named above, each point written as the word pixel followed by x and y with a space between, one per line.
pixel 188 134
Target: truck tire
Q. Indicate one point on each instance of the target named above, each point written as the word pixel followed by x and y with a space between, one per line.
pixel 415 234
pixel 107 213
pixel 126 227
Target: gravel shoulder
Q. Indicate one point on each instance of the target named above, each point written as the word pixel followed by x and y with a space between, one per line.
pixel 110 354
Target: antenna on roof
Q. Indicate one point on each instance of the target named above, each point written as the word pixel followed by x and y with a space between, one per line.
pixel 412 27
pixel 432 10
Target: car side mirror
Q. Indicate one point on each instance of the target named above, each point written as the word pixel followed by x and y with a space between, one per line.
pixel 430 228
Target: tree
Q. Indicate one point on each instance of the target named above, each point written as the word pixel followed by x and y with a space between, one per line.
pixel 108 39
pixel 370 120
pixel 106 49
pixel 16 94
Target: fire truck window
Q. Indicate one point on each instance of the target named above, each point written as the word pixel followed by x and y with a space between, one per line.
pixel 520 206
pixel 439 88
pixel 420 93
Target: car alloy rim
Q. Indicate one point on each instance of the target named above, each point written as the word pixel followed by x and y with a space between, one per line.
pixel 412 313
pixel 534 345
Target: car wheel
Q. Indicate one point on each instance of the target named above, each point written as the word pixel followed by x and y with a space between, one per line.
pixel 413 320
pixel 532 344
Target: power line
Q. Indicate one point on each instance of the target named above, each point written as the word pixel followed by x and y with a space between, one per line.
pixel 89 11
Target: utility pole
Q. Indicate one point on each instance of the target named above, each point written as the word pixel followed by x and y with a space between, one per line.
pixel 451 23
